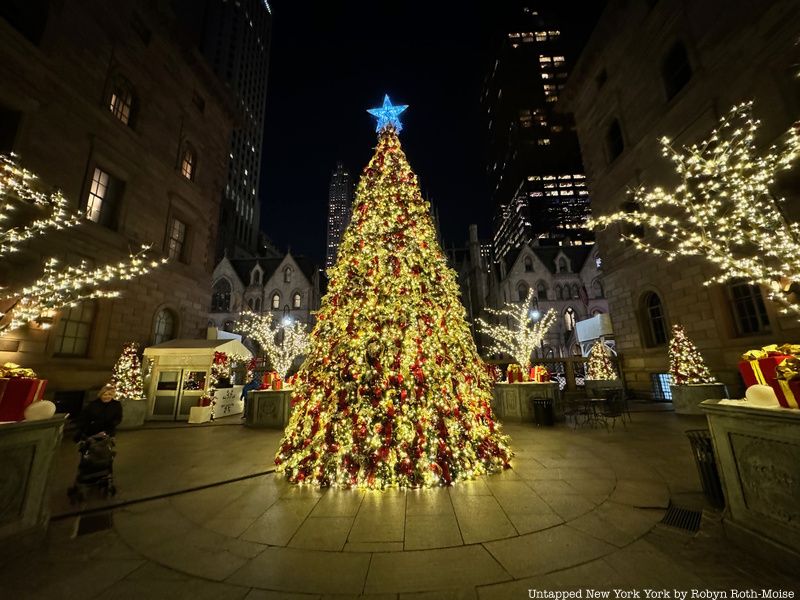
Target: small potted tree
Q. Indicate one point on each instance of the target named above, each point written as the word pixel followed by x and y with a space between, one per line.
pixel 127 378
pixel 692 382
pixel 600 373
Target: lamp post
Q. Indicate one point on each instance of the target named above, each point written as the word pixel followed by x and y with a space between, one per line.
pixel 535 314
pixel 286 320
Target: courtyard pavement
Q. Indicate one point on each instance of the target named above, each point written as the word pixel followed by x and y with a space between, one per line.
pixel 578 510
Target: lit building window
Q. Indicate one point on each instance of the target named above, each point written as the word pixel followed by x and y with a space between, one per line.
pixel 97 193
pixel 188 162
pixel 121 102
pixel 543 142
pixel 296 300
pixel 177 238
pixel 276 300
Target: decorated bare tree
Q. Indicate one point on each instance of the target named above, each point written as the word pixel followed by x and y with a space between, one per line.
pixel 519 330
pixel 282 342
pixel 27 211
pixel 723 210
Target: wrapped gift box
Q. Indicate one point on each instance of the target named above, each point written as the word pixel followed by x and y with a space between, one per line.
pixel 787 382
pixel 18 393
pixel 760 371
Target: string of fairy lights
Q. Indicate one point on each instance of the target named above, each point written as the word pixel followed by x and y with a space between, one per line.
pixel 18 186
pixel 599 366
pixel 281 342
pixel 60 286
pixel 723 209
pixel 519 330
pixel 686 365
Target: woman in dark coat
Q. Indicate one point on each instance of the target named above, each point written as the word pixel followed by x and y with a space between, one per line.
pixel 101 414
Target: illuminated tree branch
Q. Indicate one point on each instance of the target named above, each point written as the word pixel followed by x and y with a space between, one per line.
pixel 723 210
pixel 522 335
pixel 282 354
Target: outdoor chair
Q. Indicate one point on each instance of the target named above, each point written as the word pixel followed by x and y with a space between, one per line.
pixel 575 409
pixel 613 408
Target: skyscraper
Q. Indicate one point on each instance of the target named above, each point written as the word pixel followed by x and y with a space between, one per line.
pixel 535 173
pixel 234 36
pixel 340 201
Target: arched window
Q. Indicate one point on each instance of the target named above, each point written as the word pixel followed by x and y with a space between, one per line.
pixel 276 300
pixel 522 291
pixel 257 304
pixel 221 296
pixel 615 144
pixel 528 264
pixel 164 327
pixel 559 293
pixel 561 265
pixel 296 300
pixel 228 326
pixel 287 275
pixel 541 291
pixel 675 70
pixel 255 277
pixel 575 291
pixel 250 303
pixel 597 289
pixel 569 319
pixel 747 306
pixel 122 101
pixel 567 293
pixel 188 162
pixel 655 321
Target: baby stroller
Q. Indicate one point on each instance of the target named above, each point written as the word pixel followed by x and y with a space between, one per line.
pixel 96 468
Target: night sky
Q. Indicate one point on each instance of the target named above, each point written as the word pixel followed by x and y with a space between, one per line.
pixel 331 61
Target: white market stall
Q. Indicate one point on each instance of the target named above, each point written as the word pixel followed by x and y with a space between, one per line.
pixel 180 375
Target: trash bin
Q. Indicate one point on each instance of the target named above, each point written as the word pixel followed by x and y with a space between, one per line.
pixel 703 450
pixel 543 411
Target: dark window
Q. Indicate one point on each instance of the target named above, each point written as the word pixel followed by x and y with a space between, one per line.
pixel 528 264
pixel 541 290
pixel 9 124
pixel 221 297
pixel 655 320
pixel 614 142
pixel 177 239
pixel 601 78
pixel 164 329
pixel 29 17
pixel 749 312
pixel 105 192
pixel 522 292
pixel 141 29
pixel 75 329
pixel 676 70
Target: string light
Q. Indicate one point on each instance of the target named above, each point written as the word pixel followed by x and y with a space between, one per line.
pixel 686 365
pixel 19 187
pixel 523 333
pixel 723 210
pixel 293 339
pixel 60 287
pixel 600 366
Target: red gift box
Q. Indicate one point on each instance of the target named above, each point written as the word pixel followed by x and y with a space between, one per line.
pixel 277 384
pixel 18 394
pixel 760 371
pixel 788 392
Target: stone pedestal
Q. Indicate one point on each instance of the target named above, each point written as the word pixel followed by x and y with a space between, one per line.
pixel 267 408
pixel 133 413
pixel 758 454
pixel 687 398
pixel 26 457
pixel 514 401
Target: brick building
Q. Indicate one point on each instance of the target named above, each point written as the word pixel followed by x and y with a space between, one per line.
pixel 105 102
pixel 671 68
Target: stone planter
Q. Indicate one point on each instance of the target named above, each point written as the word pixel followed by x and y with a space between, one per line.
pixel 268 408
pixel 514 401
pixel 687 398
pixel 133 413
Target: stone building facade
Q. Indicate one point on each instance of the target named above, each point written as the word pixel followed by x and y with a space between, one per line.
pixel 287 287
pixel 102 101
pixel 672 68
pixel 568 279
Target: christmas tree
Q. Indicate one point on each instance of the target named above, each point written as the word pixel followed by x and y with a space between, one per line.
pixel 127 375
pixel 392 391
pixel 600 366
pixel 685 363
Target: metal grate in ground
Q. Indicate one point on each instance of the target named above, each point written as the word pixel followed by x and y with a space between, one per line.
pixel 682 518
pixel 95 522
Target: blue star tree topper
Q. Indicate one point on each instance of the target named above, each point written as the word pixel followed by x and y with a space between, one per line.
pixel 388 115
